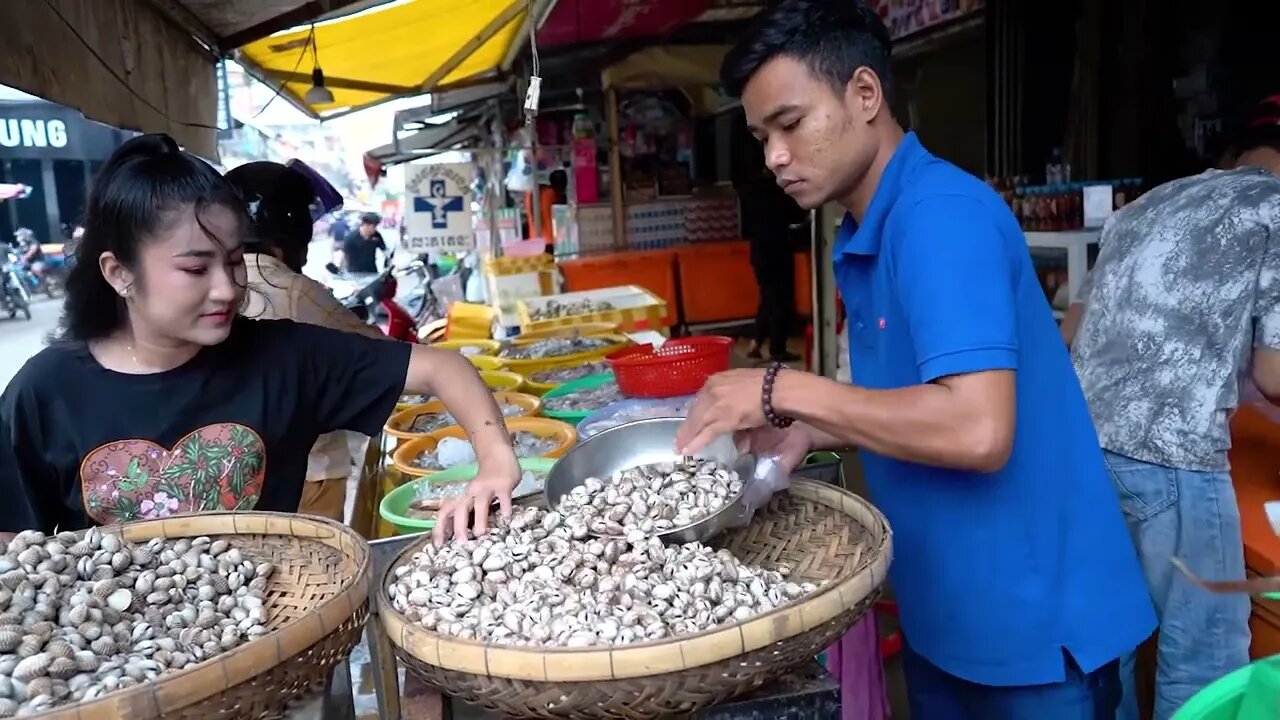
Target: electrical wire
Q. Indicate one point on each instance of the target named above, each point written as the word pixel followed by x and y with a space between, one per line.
pixel 107 66
pixel 535 68
pixel 533 36
pixel 310 45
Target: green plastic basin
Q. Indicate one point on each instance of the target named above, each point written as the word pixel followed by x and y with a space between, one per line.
pixel 395 503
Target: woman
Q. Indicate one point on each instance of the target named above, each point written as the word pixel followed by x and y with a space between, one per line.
pixel 160 399
pixel 284 202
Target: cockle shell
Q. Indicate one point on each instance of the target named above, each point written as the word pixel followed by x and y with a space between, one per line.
pixel 32 667
pixel 85 615
pixel 540 580
pixel 63 668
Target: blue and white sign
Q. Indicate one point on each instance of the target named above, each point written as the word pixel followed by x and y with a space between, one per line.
pixel 438 208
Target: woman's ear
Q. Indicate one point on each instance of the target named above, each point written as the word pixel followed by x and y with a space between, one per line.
pixel 116 274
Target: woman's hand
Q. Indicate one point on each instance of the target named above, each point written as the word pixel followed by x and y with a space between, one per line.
pixel 477 501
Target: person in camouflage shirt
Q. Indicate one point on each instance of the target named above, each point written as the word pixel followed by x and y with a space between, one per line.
pixel 1182 305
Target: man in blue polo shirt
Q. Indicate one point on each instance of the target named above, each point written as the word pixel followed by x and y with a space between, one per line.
pixel 1018 584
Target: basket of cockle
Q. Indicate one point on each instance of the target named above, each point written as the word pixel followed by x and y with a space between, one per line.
pixel 599 608
pixel 228 615
pixel 529 357
pixel 544 381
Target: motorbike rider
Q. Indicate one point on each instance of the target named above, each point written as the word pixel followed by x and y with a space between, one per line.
pixel 360 249
pixel 284 201
pixel 31 253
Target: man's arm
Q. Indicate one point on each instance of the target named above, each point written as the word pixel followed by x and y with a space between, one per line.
pixel 1266 373
pixel 963 422
pixel 955 281
pixel 1266 314
pixel 1071 322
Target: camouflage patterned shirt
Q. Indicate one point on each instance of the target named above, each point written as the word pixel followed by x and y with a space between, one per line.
pixel 1186 283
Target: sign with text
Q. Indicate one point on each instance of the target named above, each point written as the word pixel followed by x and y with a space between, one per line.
pixel 438 208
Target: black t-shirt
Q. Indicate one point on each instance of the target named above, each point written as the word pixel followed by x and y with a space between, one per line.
pixel 231 429
pixel 338 231
pixel 362 254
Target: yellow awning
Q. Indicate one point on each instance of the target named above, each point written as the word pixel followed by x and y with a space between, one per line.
pixel 402 48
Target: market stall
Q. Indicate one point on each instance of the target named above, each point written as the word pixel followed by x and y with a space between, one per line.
pixel 664 224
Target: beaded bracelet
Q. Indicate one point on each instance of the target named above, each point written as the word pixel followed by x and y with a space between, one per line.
pixel 781 422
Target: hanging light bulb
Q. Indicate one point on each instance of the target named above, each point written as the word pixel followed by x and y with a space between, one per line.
pixel 318 94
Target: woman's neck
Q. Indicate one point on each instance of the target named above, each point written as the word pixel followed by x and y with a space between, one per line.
pixel 133 352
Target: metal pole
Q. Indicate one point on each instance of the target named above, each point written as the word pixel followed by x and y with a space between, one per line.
pixel 826 341
pixel 537 189
pixel 615 170
pixel 495 188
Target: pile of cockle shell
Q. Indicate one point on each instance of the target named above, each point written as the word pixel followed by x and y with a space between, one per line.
pixel 559 376
pixel 526 445
pixel 537 581
pixel 430 422
pixel 584 399
pixel 555 309
pixel 555 347
pixel 651 498
pixel 84 616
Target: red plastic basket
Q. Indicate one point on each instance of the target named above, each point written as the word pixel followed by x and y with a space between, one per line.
pixel 678 367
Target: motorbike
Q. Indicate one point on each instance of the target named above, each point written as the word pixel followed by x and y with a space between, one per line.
pixel 14 295
pixel 418 299
pixel 358 292
pixel 372 298
pixel 56 266
pixel 432 291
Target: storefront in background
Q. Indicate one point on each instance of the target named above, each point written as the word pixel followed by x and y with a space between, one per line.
pixel 54 150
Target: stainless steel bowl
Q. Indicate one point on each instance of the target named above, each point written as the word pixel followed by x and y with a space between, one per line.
pixel 645 442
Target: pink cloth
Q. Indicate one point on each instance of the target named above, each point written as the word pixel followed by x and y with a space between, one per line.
pixel 855 662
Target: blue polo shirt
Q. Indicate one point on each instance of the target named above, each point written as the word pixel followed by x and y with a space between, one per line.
pixel 995 575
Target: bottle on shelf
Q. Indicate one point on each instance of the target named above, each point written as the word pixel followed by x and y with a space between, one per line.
pixel 1053 168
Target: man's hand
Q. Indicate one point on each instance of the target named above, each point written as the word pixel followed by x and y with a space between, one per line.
pixel 791 445
pixel 730 401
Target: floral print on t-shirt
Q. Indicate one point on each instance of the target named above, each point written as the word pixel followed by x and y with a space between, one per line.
pixel 218 467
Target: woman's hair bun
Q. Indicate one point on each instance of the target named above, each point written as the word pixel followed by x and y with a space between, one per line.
pixel 148 145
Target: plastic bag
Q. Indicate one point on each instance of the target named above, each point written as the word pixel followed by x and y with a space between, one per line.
pixel 625 411
pixel 453 451
pixel 770 477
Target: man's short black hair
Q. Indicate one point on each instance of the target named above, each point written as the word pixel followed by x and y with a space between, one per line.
pixel 370 218
pixel 832 37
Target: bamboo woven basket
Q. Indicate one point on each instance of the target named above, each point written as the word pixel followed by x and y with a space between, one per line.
pixel 822 532
pixel 317 604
